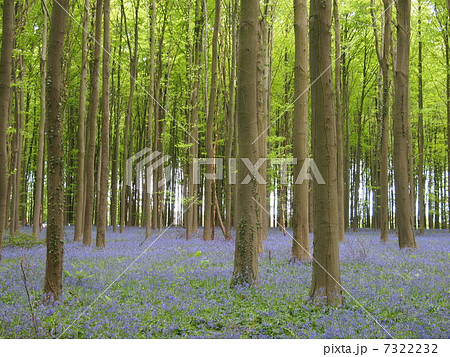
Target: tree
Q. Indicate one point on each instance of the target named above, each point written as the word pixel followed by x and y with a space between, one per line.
pixel 207 233
pixel 151 109
pixel 402 130
pixel 124 193
pixel 420 175
pixel 81 186
pixel 55 188
pixel 300 244
pixel 246 247
pixel 326 271
pixel 5 96
pixel 230 119
pixel 192 189
pixel 104 168
pixel 41 141
pixel 92 128
pixel 339 126
pixel 383 53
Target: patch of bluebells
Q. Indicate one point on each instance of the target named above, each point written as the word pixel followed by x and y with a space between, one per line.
pixel 180 289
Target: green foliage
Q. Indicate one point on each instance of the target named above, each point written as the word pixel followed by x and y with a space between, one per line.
pixel 23 240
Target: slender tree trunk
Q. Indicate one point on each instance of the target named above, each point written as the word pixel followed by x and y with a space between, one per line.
pixel 421 177
pixel 16 157
pixel 230 120
pixel 191 214
pixel 5 98
pixel 151 110
pixel 326 271
pixel 125 190
pixel 300 244
pixel 262 119
pixel 207 234
pixel 447 62
pixel 81 186
pixel 115 159
pixel 104 169
pixel 55 188
pixel 383 53
pixel 402 129
pixel 246 247
pixel 92 130
pixel 339 124
pixel 41 141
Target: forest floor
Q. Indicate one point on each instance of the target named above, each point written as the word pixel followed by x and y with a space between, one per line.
pixel 180 289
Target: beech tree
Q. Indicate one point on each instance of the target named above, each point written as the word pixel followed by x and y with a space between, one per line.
pixel 246 247
pixel 81 186
pixel 104 167
pixel 41 139
pixel 402 129
pixel 326 271
pixel 383 55
pixel 300 247
pixel 92 128
pixel 207 230
pixel 55 187
pixel 5 96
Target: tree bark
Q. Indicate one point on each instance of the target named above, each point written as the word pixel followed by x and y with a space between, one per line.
pixel 300 244
pixel 191 214
pixel 402 129
pixel 92 130
pixel 230 120
pixel 151 109
pixel 339 126
pixel 207 233
pixel 447 62
pixel 246 252
pixel 41 140
pixel 55 188
pixel 5 98
pixel 81 183
pixel 383 53
pixel 421 177
pixel 104 169
pixel 125 190
pixel 326 270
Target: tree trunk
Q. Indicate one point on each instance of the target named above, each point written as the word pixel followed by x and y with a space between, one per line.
pixel 326 271
pixel 55 188
pixel 300 244
pixel 192 209
pixel 339 126
pixel 402 129
pixel 81 185
pixel 104 169
pixel 246 252
pixel 17 149
pixel 115 159
pixel 447 62
pixel 207 234
pixel 383 53
pixel 262 119
pixel 125 190
pixel 230 123
pixel 92 130
pixel 421 177
pixel 151 109
pixel 5 97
